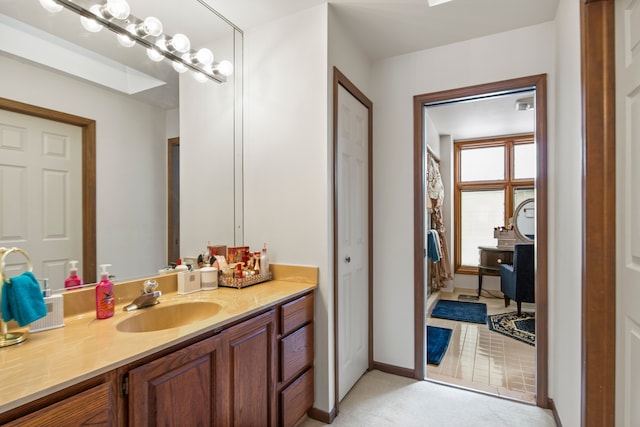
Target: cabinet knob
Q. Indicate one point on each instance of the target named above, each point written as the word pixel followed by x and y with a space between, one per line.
pixel 347 259
pixel 499 260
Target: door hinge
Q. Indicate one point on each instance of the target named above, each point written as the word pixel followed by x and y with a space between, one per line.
pixel 124 385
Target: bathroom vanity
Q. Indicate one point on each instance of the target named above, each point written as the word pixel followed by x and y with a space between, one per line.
pixel 250 363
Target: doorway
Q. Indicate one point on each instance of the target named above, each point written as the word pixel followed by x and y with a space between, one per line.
pixel 535 83
pixel 352 233
pixel 88 127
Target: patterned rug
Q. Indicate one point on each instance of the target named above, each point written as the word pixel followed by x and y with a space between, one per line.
pixel 521 328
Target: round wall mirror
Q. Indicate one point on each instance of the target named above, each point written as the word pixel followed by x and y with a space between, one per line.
pixel 525 221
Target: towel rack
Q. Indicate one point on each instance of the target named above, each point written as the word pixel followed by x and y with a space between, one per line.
pixel 10 338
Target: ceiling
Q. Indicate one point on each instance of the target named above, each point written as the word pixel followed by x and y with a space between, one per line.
pixel 386 28
pixel 483 118
pixel 382 28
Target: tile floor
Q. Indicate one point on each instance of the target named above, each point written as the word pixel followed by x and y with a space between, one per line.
pixel 484 360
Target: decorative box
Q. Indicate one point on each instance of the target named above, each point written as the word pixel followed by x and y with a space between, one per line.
pixel 506 238
pixel 228 281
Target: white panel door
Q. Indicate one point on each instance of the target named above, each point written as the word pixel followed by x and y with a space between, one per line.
pixel 352 217
pixel 41 194
pixel 627 23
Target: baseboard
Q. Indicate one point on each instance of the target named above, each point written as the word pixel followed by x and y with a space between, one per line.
pixel 322 416
pixel 554 410
pixel 395 370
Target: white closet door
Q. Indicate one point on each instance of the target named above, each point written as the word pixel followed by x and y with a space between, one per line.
pixel 627 23
pixel 353 291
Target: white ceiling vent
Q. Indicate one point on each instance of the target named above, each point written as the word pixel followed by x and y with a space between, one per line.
pixel 524 104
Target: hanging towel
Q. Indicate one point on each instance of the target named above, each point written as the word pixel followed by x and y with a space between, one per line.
pixel 433 249
pixel 22 299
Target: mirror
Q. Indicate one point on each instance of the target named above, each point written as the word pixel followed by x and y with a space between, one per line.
pixel 138 105
pixel 524 221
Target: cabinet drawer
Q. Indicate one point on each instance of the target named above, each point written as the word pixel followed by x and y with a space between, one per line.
pixel 493 259
pixel 296 399
pixel 296 313
pixel 296 352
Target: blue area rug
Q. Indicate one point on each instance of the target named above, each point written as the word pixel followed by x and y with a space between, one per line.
pixel 521 328
pixel 437 343
pixel 473 312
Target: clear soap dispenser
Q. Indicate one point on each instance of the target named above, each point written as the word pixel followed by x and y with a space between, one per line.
pixel 105 299
pixel 73 281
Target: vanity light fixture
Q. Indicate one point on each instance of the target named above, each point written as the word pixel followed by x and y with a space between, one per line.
pixel 115 9
pixel 154 55
pixel 90 24
pixel 116 16
pixel 224 67
pixel 151 26
pixel 51 6
pixel 179 67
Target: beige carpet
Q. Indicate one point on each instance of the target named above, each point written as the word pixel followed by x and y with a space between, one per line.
pixel 380 399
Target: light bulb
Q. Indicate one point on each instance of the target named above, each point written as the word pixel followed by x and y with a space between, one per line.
pixel 179 43
pixel 149 27
pixel 91 24
pixel 203 56
pixel 51 6
pixel 116 9
pixel 200 77
pixel 179 67
pixel 225 68
pixel 125 40
pixel 154 55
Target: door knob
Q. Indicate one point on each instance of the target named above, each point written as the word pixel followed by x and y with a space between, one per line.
pixel 347 259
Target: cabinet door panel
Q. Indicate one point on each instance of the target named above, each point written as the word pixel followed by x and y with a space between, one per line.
pixel 178 389
pixel 251 352
pixel 95 407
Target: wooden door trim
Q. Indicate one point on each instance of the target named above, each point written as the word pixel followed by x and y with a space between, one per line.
pixel 340 79
pixel 88 127
pixel 539 83
pixel 172 142
pixel 599 218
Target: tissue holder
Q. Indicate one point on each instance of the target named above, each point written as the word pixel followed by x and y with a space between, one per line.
pixel 188 282
pixel 55 315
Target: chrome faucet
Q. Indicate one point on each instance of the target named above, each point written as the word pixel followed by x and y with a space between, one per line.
pixel 148 298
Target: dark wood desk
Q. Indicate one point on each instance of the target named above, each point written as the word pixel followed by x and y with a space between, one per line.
pixel 491 257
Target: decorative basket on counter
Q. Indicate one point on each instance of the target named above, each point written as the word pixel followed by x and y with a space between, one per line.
pixel 239 283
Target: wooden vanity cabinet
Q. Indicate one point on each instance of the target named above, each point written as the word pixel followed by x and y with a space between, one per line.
pixel 296 352
pixel 257 372
pixel 251 350
pixel 93 406
pixel 186 387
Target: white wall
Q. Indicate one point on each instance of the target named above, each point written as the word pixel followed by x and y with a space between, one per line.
pixel 286 156
pixel 395 81
pixel 207 165
pixel 346 55
pixel 130 163
pixel 565 225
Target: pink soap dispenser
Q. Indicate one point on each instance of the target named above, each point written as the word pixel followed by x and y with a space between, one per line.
pixel 73 281
pixel 105 299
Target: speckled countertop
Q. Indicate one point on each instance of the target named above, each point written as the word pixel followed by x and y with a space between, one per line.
pixel 52 360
